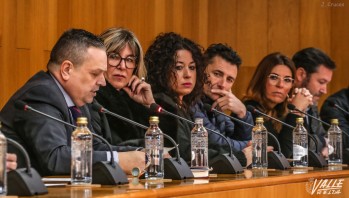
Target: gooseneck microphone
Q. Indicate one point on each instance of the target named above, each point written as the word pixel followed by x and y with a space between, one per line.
pixel 252 109
pixel 24 181
pixel 315 159
pixel 292 107
pixel 209 108
pixel 275 160
pixel 105 173
pixel 345 150
pixel 176 169
pixel 21 105
pixel 158 109
pixel 221 164
pixel 101 109
pixel 332 104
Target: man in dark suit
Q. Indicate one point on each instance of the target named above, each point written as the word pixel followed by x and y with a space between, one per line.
pixel 328 112
pixel 75 73
pixel 314 72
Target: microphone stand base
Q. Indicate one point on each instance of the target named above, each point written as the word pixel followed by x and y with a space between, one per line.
pixel 106 174
pixel 176 170
pixel 21 183
pixel 277 161
pixel 316 160
pixel 224 164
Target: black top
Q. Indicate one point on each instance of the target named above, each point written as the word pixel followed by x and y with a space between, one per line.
pixel 123 133
pixel 328 112
pixel 180 130
pixel 284 136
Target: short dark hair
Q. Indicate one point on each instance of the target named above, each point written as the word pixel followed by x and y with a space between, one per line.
pixel 311 58
pixel 160 60
pixel 224 51
pixel 72 46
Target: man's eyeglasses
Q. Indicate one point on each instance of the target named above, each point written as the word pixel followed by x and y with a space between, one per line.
pixel 115 60
pixel 274 79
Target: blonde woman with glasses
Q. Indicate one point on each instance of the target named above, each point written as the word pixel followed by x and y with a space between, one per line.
pixel 126 93
pixel 270 90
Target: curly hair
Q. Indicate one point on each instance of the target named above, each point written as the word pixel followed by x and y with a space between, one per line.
pixel 160 60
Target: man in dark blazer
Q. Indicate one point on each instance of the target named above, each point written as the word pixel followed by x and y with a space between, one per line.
pixel 328 112
pixel 75 73
pixel 314 72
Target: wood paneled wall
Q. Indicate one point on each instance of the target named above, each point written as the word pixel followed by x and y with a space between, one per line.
pixel 29 29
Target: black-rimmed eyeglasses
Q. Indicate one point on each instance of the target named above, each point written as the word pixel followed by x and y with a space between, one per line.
pixel 115 60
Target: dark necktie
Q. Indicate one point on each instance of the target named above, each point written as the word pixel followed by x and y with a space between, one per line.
pixel 75 112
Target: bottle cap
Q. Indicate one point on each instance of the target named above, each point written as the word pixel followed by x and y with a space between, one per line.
pixel 154 119
pixel 259 120
pixel 299 120
pixel 199 120
pixel 333 121
pixel 81 120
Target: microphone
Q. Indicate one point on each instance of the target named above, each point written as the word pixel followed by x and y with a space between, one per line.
pixel 319 160
pixel 345 150
pixel 105 173
pixel 176 169
pixel 255 110
pixel 208 107
pixel 275 160
pixel 292 107
pixel 24 181
pixel 315 159
pixel 332 104
pixel 222 164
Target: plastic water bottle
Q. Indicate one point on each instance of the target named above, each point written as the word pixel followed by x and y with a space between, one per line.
pixel 154 149
pixel 81 153
pixel 3 175
pixel 199 145
pixel 259 145
pixel 334 143
pixel 300 145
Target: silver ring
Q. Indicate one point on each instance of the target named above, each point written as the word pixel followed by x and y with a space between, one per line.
pixel 142 79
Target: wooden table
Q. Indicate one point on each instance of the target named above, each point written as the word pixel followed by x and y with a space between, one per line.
pixel 292 183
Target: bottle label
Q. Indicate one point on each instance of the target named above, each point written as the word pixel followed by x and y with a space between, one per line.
pixel 299 152
pixel 330 149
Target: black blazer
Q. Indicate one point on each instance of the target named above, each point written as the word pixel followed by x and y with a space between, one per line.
pixel 284 137
pixel 180 131
pixel 47 141
pixel 328 112
pixel 122 133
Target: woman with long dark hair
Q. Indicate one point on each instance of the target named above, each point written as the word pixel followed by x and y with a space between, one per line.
pixel 270 90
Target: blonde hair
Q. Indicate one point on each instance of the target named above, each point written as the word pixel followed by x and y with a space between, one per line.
pixel 115 39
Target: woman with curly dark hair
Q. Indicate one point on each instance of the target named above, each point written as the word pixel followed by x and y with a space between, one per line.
pixel 176 74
